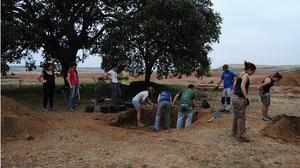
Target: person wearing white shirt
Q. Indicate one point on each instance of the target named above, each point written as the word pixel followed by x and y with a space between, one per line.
pixel 138 100
pixel 115 87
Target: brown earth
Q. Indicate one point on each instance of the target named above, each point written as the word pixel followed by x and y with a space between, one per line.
pixel 79 139
pixel 18 120
pixel 284 127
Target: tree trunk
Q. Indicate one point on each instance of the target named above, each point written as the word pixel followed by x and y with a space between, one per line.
pixel 148 74
pixel 69 56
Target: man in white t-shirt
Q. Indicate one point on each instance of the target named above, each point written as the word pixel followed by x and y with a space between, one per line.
pixel 115 87
pixel 138 100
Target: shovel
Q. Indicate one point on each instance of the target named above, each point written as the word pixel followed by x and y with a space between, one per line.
pixel 216 114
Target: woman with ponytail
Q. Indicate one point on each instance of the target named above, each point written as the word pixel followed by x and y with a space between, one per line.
pixel 240 102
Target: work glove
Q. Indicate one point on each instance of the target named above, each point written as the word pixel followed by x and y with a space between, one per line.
pixel 247 102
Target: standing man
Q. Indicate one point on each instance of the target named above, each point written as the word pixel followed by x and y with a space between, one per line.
pixel 73 81
pixel 264 94
pixel 164 102
pixel 187 104
pixel 115 87
pixel 228 79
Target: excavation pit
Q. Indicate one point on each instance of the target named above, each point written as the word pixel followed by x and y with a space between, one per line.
pixel 127 119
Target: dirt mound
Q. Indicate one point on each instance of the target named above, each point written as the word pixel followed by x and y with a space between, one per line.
pixel 284 127
pixel 127 119
pixel 18 120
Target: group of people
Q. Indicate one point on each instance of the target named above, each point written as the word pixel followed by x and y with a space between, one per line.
pixel 235 92
pixel 186 105
pixel 47 78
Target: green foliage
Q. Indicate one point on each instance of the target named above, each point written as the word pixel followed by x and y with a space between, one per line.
pixel 170 36
pixel 58 28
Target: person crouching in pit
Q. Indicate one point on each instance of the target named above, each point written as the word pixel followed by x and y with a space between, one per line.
pixel 164 102
pixel 137 102
pixel 264 94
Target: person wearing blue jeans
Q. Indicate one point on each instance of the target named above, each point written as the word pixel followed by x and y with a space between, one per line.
pixel 72 97
pixel 164 102
pixel 73 81
pixel 187 103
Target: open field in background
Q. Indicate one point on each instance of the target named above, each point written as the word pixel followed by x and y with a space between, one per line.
pixel 79 139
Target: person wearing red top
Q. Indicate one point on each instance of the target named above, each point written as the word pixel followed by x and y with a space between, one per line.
pixel 73 81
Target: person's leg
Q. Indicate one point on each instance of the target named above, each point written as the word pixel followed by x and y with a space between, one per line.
pixel 138 115
pixel 180 117
pixel 228 99
pixel 241 123
pixel 46 97
pixel 157 117
pixel 189 117
pixel 114 93
pixel 265 100
pixel 74 101
pixel 235 105
pixel 51 97
pixel 167 116
pixel 71 97
pixel 223 99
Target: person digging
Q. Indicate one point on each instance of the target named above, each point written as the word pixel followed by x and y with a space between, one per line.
pixel 187 104
pixel 164 101
pixel 140 99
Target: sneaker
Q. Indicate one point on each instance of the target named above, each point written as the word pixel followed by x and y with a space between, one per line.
pixel 45 110
pixel 141 125
pixel 156 130
pixel 243 139
pixel 266 119
pixel 75 108
pixel 70 109
pixel 226 111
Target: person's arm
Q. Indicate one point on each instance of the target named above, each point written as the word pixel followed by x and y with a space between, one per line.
pixel 177 95
pixel 219 82
pixel 171 101
pixel 243 84
pixel 69 80
pixel 158 99
pixel 107 76
pixel 39 78
pixel 266 82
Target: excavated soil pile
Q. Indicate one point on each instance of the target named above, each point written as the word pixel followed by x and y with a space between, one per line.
pixel 18 120
pixel 284 127
pixel 127 119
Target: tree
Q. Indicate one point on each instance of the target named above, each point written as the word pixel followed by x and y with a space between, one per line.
pixel 170 36
pixel 58 28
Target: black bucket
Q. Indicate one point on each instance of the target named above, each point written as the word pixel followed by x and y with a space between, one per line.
pixel 89 108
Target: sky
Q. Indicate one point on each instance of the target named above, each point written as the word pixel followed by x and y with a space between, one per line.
pixel 265 32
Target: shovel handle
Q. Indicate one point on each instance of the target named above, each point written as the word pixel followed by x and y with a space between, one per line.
pixel 210 120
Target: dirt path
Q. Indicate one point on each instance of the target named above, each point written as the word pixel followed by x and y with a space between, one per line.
pixel 82 139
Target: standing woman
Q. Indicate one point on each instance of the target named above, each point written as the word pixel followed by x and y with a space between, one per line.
pixel 240 102
pixel 73 81
pixel 124 83
pixel 47 77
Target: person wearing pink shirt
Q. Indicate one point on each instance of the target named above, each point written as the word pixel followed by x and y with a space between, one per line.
pixel 73 81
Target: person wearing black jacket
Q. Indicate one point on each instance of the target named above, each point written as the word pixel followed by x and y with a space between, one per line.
pixel 47 78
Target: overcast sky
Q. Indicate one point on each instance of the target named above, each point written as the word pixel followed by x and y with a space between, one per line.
pixel 260 31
